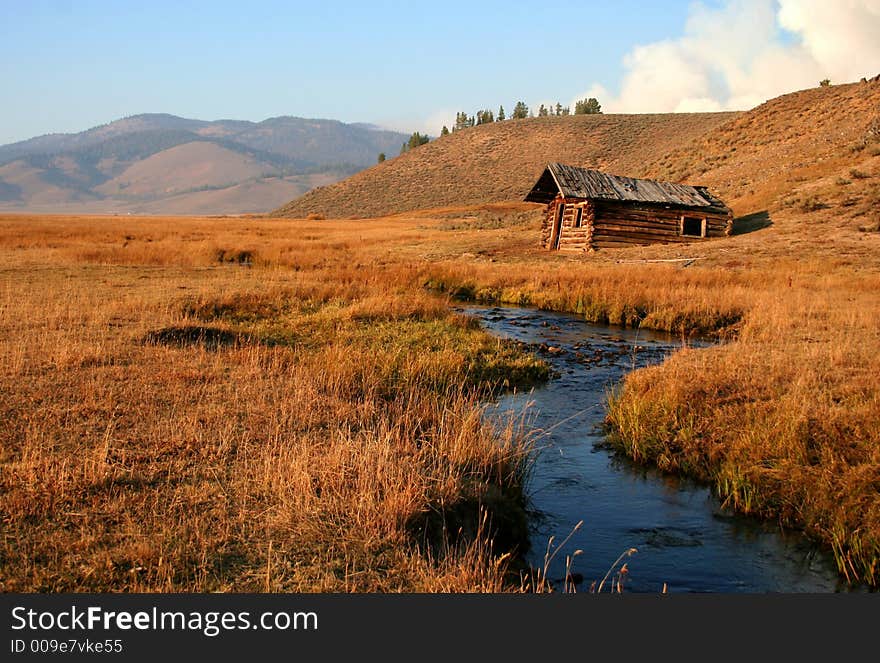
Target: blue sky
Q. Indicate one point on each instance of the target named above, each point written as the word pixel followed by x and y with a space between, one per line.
pixel 67 66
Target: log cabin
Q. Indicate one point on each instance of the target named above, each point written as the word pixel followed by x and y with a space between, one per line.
pixel 589 209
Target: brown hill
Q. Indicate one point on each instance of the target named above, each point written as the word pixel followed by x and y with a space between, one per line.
pixel 500 161
pixel 250 197
pixel 20 181
pixel 184 168
pixel 801 152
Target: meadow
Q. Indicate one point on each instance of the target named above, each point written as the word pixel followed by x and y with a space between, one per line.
pixel 256 404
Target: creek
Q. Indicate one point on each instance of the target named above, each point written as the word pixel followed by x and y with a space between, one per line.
pixel 683 536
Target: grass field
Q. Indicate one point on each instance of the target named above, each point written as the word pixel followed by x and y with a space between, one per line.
pixel 227 405
pixel 247 404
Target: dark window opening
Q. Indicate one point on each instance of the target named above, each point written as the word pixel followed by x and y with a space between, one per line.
pixel 578 217
pixel 691 226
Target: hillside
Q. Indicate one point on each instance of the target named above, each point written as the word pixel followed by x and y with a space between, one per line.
pixel 137 162
pixel 249 197
pixel 184 167
pixel 805 151
pixel 500 161
pixel 802 152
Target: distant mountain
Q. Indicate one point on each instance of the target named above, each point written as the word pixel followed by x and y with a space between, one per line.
pixel 136 163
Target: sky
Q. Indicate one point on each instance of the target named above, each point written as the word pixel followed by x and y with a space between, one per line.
pixel 69 65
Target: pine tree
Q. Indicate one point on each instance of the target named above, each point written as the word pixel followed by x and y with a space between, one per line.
pixel 542 111
pixel 417 139
pixel 501 116
pixel 520 111
pixel 414 141
pixel 587 107
pixel 558 108
pixel 444 131
pixel 381 157
pixel 462 121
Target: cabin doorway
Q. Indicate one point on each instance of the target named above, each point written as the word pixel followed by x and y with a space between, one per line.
pixel 557 227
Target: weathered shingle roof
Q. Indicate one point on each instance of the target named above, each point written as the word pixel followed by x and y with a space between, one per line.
pixel 574 182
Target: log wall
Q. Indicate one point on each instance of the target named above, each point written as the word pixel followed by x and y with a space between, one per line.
pixel 611 224
pixel 622 224
pixel 573 238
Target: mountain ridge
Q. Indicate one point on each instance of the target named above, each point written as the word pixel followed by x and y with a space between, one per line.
pixel 73 169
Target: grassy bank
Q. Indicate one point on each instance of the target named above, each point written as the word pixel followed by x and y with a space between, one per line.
pixel 784 422
pixel 664 298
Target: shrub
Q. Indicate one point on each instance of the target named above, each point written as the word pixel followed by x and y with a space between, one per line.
pixel 812 204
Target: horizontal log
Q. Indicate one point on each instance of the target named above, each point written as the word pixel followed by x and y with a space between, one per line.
pixel 657 214
pixel 620 244
pixel 653 229
pixel 607 225
pixel 656 221
pixel 648 223
pixel 653 232
pixel 641 220
pixel 638 238
pixel 644 240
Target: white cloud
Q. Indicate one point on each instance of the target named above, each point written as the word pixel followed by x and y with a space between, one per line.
pixel 736 55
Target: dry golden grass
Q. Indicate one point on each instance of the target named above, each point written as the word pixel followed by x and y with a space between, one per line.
pixel 295 421
pixel 296 412
pixel 784 422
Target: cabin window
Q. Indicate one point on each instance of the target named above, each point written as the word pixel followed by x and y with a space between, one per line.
pixel 578 217
pixel 692 226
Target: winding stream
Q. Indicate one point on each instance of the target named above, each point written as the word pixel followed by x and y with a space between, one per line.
pixel 683 537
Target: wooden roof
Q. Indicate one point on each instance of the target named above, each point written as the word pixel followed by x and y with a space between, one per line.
pixel 574 182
